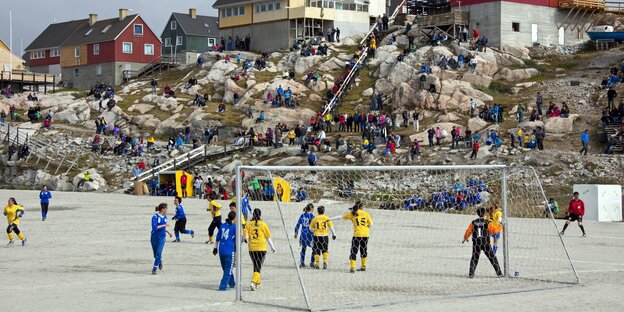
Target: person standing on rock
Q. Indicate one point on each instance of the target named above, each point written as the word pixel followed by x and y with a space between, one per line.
pixel 44 197
pixel 430 134
pixel 540 134
pixel 415 117
pixel 337 34
pixel 539 101
pixel 475 149
pixel 576 210
pixel 473 107
pixel 520 111
pixel 584 141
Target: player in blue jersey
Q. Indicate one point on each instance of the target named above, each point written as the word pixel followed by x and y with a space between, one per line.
pixel 159 231
pixel 306 238
pixel 245 207
pixel 44 196
pixel 180 219
pixel 225 247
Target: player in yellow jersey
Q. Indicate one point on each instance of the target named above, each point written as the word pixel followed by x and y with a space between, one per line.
pixel 215 209
pixel 14 213
pixel 495 218
pixel 361 228
pixel 320 226
pixel 257 235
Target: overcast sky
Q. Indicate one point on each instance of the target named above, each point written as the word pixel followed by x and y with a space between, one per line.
pixel 31 17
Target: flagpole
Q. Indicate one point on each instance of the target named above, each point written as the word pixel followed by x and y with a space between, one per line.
pixel 11 44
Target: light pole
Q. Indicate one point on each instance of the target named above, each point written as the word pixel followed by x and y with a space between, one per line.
pixel 11 45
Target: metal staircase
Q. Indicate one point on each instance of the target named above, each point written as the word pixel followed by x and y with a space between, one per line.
pixel 345 86
pixel 186 160
pixel 158 64
pixel 44 151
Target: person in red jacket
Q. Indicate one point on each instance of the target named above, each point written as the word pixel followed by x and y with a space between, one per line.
pixel 576 210
pixel 183 181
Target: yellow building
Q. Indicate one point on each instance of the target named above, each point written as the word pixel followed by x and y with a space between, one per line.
pixel 277 24
pixel 5 59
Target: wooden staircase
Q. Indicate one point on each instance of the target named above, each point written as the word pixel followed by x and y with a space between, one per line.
pixel 158 64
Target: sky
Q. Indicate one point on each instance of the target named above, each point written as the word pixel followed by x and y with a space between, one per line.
pixel 31 17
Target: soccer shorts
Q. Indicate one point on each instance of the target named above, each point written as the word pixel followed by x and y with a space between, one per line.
pixel 497 235
pixel 321 244
pixel 180 225
pixel 575 217
pixel 306 240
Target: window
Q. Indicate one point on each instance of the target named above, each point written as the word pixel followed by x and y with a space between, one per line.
pixel 106 28
pixel 263 7
pixel 174 25
pixel 96 49
pixel 241 10
pixel 211 42
pixel 76 72
pixel 179 40
pixel 98 70
pixel 127 48
pixel 515 27
pixel 138 29
pixel 228 12
pixel 38 55
pixel 88 32
pixel 277 6
pixel 270 6
pixel 77 52
pixel 55 53
pixel 223 13
pixel 167 42
pixel 148 49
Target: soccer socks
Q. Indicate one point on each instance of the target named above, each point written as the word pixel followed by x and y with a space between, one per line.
pixel 582 228
pixel 21 236
pixel 352 264
pixel 303 253
pixel 177 235
pixel 565 226
pixel 10 235
pixel 255 278
pixel 363 263
pixel 188 232
pixel 325 257
pixel 316 260
pixel 495 248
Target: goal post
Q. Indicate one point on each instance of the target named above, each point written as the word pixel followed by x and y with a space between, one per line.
pixel 414 252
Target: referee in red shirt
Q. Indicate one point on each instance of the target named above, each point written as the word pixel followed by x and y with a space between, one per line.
pixel 576 210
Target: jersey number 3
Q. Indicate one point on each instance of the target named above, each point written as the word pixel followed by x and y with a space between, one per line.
pixel 255 234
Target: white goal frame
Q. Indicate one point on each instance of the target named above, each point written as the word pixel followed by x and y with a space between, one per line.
pixel 504 205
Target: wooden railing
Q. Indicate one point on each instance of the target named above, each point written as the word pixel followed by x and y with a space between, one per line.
pixel 25 77
pixel 587 4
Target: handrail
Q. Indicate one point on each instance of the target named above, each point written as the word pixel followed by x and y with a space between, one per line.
pixel 359 62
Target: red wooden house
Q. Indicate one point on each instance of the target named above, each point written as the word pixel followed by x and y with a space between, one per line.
pixel 96 51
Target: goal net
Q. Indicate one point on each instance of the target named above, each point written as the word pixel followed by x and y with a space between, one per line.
pixel 414 250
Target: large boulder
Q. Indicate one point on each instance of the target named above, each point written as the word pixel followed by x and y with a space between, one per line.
pixel 220 71
pixel 516 74
pixel 163 103
pixel 97 183
pixel 477 79
pixel 448 126
pixel 349 41
pixel 405 96
pixel 383 85
pixel 401 73
pixel 476 124
pixel 170 126
pixel 75 113
pixel 332 64
pixel 517 51
pixel 232 88
pixel 141 108
pixel 303 64
pixel 386 64
pixel 288 161
pixel 531 125
pixel 559 125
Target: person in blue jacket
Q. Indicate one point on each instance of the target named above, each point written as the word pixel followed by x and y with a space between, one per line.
pixel 159 231
pixel 180 219
pixel 305 240
pixel 44 196
pixel 225 247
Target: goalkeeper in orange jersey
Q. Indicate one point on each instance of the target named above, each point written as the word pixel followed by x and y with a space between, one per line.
pixel 480 229
pixel 495 218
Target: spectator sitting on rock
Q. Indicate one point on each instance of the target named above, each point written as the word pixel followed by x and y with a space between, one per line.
pixel 260 118
pixel 191 82
pixel 221 108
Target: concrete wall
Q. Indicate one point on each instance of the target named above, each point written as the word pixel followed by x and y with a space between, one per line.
pixel 378 7
pixel 486 17
pixel 602 202
pixel 48 69
pixel 351 23
pixel 111 73
pixel 495 19
pixel 264 37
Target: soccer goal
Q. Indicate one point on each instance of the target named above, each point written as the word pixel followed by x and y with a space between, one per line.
pixel 414 250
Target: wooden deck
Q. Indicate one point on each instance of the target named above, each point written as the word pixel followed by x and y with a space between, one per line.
pixel 446 19
pixel 27 78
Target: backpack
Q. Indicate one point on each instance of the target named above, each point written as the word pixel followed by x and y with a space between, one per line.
pixel 484 40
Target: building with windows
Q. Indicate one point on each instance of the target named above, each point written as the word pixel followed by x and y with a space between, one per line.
pixel 9 59
pixel 186 36
pixel 277 24
pixel 88 50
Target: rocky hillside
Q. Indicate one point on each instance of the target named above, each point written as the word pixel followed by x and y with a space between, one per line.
pixel 509 76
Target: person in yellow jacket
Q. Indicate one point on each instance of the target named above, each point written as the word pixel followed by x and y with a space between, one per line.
pixel 257 234
pixel 14 213
pixel 362 222
pixel 291 137
pixel 495 217
pixel 150 141
pixel 372 47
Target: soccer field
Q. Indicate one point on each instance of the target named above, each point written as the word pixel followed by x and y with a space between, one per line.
pixel 93 253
